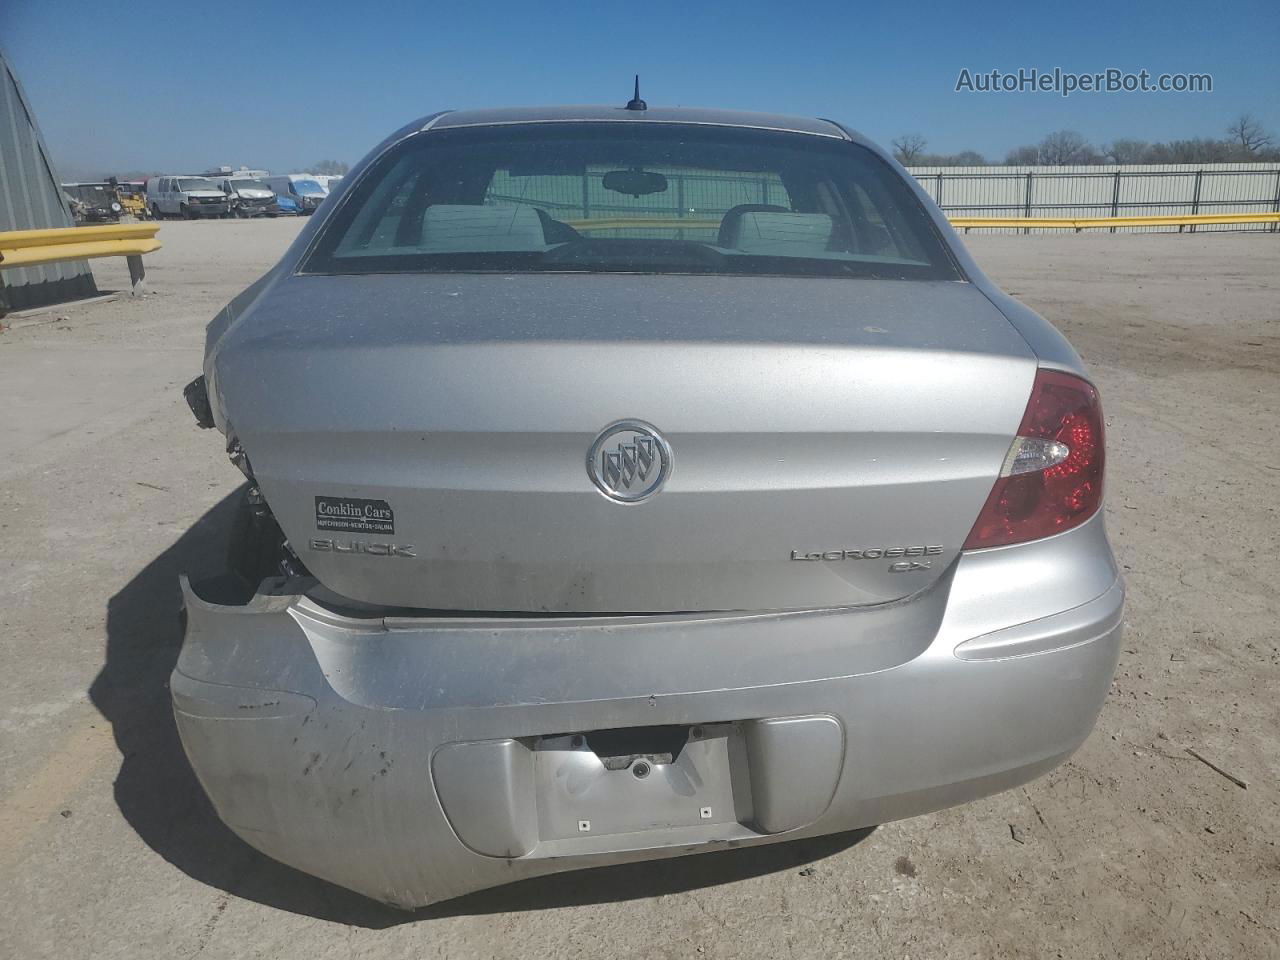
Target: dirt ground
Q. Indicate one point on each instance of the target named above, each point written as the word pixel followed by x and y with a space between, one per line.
pixel 1132 849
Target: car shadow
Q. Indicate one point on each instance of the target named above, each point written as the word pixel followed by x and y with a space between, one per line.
pixel 159 796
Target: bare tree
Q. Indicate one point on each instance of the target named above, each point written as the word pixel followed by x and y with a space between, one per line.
pixel 1247 133
pixel 1199 150
pixel 1126 151
pixel 1024 156
pixel 1066 147
pixel 965 158
pixel 335 168
pixel 908 148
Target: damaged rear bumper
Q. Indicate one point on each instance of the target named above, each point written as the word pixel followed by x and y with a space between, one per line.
pixel 417 759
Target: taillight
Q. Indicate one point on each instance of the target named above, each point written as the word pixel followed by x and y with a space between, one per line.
pixel 1052 478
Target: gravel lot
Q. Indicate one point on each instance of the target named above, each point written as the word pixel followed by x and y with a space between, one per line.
pixel 1132 849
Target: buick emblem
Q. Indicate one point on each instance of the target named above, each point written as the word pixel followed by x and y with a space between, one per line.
pixel 629 461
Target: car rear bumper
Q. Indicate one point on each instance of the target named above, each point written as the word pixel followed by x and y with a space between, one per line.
pixel 415 760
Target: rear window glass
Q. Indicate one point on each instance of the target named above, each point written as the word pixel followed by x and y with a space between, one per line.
pixel 632 198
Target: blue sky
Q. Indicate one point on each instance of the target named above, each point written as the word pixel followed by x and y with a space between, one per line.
pixel 282 85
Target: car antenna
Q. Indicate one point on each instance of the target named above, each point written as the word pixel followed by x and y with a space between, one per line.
pixel 635 103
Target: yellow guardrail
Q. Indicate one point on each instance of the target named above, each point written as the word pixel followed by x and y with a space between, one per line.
pixel 31 248
pixel 1095 223
pixel 960 223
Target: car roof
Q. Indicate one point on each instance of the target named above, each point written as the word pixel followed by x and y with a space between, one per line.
pixel 606 113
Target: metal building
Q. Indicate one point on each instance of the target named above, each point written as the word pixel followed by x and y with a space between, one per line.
pixel 31 199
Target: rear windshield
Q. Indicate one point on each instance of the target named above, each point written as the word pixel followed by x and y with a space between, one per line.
pixel 631 198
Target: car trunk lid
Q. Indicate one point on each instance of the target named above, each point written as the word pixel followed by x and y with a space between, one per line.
pixel 423 439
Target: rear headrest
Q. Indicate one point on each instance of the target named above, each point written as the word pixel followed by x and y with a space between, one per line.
pixel 468 228
pixel 784 234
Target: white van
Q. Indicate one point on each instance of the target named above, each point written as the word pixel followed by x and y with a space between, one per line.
pixel 302 187
pixel 249 197
pixel 185 196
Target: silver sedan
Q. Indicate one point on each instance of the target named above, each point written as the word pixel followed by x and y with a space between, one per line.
pixel 632 482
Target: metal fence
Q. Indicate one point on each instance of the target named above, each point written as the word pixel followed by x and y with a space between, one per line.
pixel 1092 191
pixel 1107 191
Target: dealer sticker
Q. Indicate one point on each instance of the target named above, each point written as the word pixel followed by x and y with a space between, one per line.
pixel 353 515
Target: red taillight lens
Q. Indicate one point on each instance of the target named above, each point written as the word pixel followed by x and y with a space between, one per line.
pixel 1062 428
